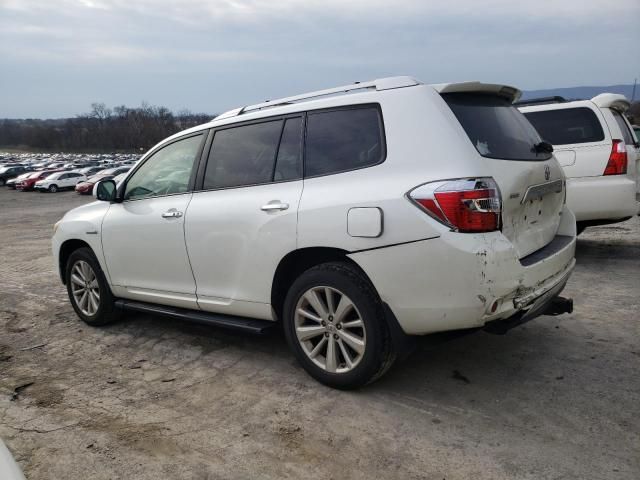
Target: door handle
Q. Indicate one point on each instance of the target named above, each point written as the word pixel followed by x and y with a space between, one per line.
pixel 173 213
pixel 274 205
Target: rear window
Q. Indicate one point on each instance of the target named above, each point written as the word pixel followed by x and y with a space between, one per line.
pixel 567 126
pixel 624 128
pixel 341 140
pixel 495 127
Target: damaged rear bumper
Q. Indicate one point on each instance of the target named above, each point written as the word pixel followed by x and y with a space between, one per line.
pixel 542 301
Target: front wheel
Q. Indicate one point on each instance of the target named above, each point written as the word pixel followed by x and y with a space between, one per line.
pixel 53 188
pixel 88 289
pixel 334 323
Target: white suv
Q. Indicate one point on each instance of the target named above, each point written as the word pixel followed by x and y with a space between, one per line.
pixel 59 181
pixel 598 150
pixel 356 216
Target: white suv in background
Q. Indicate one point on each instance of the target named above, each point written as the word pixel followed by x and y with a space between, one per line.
pixel 356 216
pixel 598 150
pixel 59 181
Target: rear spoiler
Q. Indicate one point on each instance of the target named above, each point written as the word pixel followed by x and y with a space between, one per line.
pixel 612 100
pixel 510 93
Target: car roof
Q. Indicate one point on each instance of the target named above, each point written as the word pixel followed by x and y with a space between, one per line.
pixel 332 97
pixel 614 101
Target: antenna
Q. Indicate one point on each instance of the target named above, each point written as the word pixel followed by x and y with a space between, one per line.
pixel 633 92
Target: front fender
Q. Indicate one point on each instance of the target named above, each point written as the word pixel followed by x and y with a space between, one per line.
pixel 82 224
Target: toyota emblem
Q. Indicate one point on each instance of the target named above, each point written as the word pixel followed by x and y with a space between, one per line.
pixel 547 172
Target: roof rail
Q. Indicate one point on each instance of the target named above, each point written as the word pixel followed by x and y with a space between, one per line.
pixel 380 84
pixel 540 101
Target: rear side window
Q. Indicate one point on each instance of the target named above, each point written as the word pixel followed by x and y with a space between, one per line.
pixel 495 127
pixel 567 126
pixel 624 128
pixel 341 140
pixel 243 155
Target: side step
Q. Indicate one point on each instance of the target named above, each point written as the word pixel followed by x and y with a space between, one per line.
pixel 248 325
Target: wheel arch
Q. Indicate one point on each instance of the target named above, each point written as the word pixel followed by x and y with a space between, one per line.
pixel 293 264
pixel 66 249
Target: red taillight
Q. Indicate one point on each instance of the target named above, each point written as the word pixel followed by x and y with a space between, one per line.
pixel 617 164
pixel 467 205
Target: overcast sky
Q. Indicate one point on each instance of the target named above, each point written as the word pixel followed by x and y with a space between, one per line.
pixel 59 56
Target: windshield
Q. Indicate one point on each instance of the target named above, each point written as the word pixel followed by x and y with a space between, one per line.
pixel 495 127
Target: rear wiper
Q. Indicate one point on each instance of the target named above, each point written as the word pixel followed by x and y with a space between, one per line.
pixel 543 147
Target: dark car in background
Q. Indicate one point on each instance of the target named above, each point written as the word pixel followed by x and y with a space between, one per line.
pixel 11 171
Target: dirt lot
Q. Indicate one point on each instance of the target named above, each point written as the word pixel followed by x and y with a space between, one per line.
pixel 150 398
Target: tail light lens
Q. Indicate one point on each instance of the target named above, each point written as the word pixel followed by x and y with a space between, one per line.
pixel 617 164
pixel 466 205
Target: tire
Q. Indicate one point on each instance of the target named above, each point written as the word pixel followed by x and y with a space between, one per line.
pixel 343 282
pixel 106 311
pixel 2 182
pixel 53 188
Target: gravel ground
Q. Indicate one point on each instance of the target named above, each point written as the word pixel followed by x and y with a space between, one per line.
pixel 150 398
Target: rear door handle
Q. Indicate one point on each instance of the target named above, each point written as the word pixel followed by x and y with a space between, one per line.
pixel 274 205
pixel 173 213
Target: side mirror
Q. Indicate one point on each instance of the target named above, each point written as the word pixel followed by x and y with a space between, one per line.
pixel 105 190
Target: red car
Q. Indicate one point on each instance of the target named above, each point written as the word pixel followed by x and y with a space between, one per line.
pixel 29 182
pixel 86 188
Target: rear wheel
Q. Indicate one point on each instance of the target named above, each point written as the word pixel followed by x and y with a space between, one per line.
pixel 2 182
pixel 335 325
pixel 88 289
pixel 53 188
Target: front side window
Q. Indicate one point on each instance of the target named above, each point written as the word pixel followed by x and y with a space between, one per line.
pixel 243 155
pixel 342 140
pixel 567 126
pixel 166 172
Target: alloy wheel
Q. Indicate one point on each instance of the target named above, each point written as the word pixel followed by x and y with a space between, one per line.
pixel 85 288
pixel 330 329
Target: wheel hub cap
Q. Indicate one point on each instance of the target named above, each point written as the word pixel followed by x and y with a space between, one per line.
pixel 330 329
pixel 85 288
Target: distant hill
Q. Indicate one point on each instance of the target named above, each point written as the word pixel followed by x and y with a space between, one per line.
pixel 572 93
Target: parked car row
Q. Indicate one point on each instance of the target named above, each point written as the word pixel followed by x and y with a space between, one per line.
pixel 26 171
pixel 55 180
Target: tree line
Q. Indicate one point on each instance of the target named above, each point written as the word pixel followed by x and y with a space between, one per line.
pixel 102 129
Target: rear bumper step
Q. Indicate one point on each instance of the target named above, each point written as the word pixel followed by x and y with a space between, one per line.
pixel 248 325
